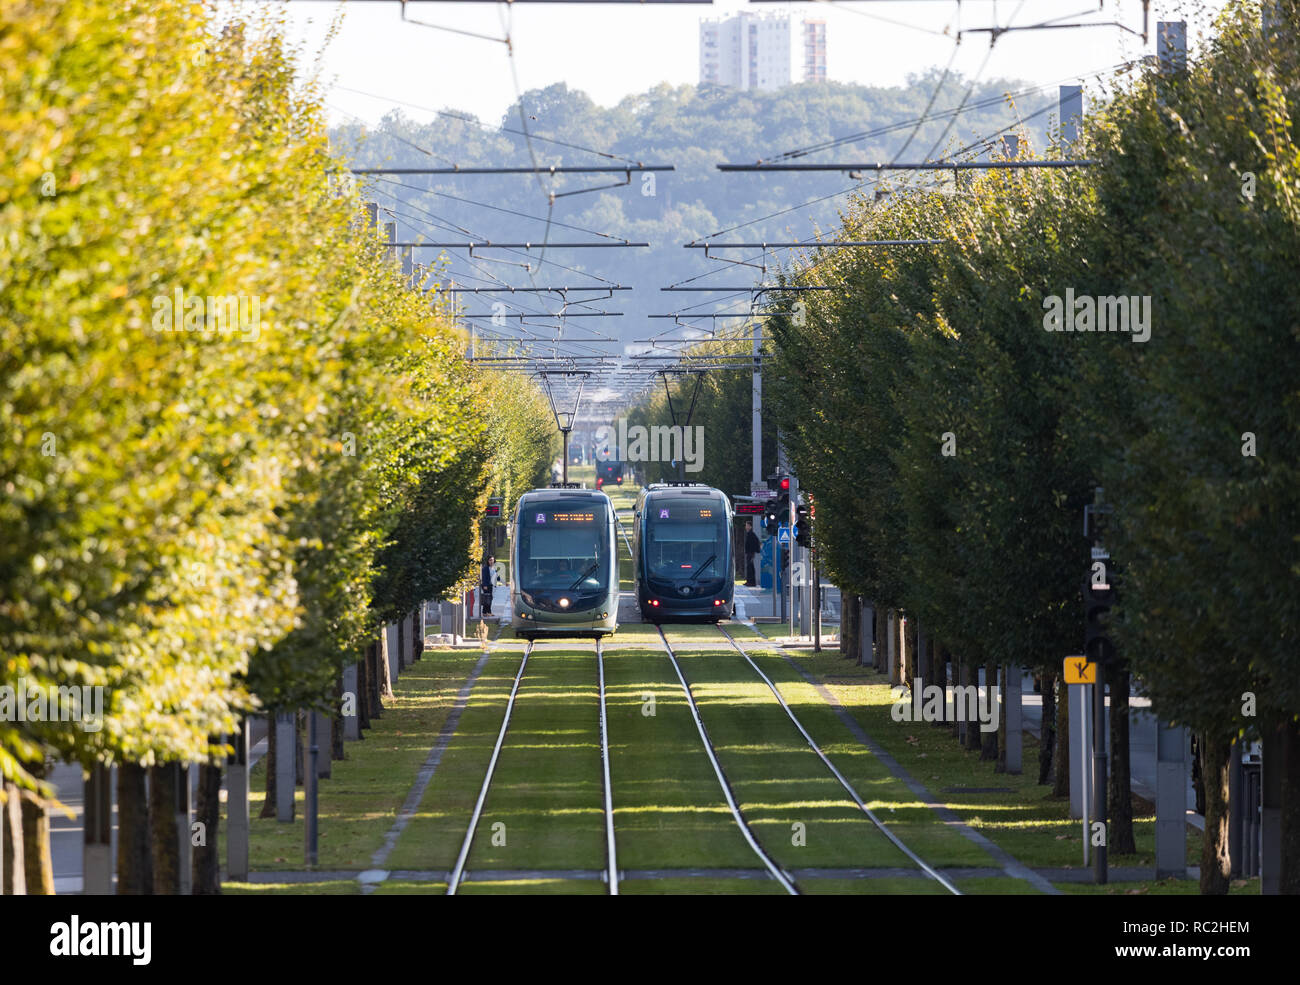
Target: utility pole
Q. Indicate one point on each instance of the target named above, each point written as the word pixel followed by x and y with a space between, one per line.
pixel 756 470
pixel 1098 648
pixel 310 784
pixel 792 518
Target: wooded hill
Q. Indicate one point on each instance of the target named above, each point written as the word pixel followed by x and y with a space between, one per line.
pixel 689 127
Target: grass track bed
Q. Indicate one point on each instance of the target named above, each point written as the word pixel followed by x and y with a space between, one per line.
pixel 700 887
pixel 888 797
pixel 668 806
pixel 547 788
pixel 535 887
pixel 403 887
pixel 799 812
pixel 334 887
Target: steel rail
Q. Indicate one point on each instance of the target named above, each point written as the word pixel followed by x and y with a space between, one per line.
pixel 787 882
pixel 454 879
pixel 898 843
pixel 611 857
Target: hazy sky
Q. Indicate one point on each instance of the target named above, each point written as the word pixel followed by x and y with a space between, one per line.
pixel 611 50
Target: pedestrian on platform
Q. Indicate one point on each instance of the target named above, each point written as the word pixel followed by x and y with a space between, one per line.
pixel 485 586
pixel 752 547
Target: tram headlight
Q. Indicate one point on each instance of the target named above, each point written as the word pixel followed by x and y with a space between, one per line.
pixel 563 603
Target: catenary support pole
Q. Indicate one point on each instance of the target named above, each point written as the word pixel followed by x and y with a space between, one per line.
pixel 756 470
pixel 97 857
pixel 286 751
pixel 237 807
pixel 1171 801
pixel 310 782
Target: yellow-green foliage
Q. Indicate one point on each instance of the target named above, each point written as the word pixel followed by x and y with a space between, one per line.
pixel 179 502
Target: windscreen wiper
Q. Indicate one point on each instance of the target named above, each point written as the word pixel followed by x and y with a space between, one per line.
pixel 582 577
pixel 704 564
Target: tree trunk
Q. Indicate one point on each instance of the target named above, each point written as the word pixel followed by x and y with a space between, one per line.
pixel 37 864
pixel 1119 798
pixel 1001 765
pixel 376 686
pixel 989 745
pixel 1216 858
pixel 915 658
pixel 881 655
pixel 268 805
pixel 848 627
pixel 336 722
pixel 1198 778
pixel 938 675
pixel 163 792
pixel 869 631
pixel 207 812
pixel 958 680
pixel 417 633
pixel 1285 740
pixel 15 880
pixel 134 858
pixel 970 678
pixel 363 694
pixel 1061 749
pixel 385 668
pixel 1047 733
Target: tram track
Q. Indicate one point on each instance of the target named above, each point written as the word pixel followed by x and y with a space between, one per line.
pixel 458 876
pixel 779 874
pixel 929 870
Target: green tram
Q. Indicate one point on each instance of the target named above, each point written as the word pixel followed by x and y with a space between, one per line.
pixel 564 564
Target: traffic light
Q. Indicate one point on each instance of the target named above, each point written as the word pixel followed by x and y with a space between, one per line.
pixel 803 527
pixel 1098 597
pixel 778 510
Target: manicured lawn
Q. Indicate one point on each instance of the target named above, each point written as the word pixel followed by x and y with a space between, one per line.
pixel 1025 820
pixel 340 887
pixel 432 839
pixel 361 798
pixel 1163 887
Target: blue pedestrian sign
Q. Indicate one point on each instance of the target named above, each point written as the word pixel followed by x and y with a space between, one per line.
pixel 783 536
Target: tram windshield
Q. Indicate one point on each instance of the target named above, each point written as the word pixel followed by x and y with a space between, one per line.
pixel 564 546
pixel 685 539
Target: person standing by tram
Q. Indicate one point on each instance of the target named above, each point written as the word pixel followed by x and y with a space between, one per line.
pixel 485 586
pixel 752 547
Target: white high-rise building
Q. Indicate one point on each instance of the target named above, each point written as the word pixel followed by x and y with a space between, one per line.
pixel 758 51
